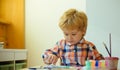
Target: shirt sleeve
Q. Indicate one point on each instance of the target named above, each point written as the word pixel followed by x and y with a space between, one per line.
pixel 93 53
pixel 54 50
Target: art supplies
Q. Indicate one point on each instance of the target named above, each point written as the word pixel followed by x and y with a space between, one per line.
pixel 110 44
pixel 52 67
pixel 107 49
pixel 110 62
pixel 95 63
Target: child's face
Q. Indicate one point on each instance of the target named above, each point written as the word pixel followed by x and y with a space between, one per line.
pixel 72 36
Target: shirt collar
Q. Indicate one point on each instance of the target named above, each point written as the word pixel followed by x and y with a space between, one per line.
pixel 80 42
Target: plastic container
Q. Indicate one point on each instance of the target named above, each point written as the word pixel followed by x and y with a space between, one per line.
pixel 7 67
pixel 19 66
pixel 111 62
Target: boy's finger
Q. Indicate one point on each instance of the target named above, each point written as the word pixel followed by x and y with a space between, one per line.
pixel 54 60
pixel 51 59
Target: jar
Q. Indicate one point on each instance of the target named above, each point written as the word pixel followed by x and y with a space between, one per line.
pixel 1 45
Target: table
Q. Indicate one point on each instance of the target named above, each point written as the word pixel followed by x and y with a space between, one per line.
pixel 68 68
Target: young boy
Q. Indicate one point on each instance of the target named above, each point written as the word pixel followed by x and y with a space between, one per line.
pixel 74 50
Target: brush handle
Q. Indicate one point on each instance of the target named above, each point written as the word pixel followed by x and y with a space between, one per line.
pixel 107 49
pixel 110 44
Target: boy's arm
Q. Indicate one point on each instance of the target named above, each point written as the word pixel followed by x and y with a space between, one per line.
pixel 100 57
pixel 93 53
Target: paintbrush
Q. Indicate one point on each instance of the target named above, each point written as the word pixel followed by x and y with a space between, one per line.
pixel 107 49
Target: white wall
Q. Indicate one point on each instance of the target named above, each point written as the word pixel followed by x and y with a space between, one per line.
pixel 41 25
pixel 104 18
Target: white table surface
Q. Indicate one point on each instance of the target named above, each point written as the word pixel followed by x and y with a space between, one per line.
pixel 69 68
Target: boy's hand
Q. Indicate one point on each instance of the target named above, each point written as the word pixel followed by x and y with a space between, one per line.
pixel 50 59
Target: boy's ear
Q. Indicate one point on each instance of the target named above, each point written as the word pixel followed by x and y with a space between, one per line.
pixel 84 31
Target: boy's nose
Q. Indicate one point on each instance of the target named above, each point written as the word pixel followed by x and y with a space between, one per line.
pixel 69 38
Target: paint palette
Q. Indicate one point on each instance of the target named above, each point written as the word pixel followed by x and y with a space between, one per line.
pixel 53 67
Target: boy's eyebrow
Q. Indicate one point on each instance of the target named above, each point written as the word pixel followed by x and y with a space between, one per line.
pixel 71 32
pixel 64 32
pixel 75 32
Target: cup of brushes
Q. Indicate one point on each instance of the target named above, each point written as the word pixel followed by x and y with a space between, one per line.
pixel 110 61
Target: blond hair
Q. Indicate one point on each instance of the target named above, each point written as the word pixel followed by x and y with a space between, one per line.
pixel 73 19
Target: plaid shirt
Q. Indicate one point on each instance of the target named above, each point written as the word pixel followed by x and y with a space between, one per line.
pixel 75 55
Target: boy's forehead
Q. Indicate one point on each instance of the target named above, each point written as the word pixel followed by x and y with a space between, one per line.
pixel 70 30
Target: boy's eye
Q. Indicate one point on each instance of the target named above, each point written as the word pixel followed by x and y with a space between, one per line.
pixel 66 34
pixel 73 34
